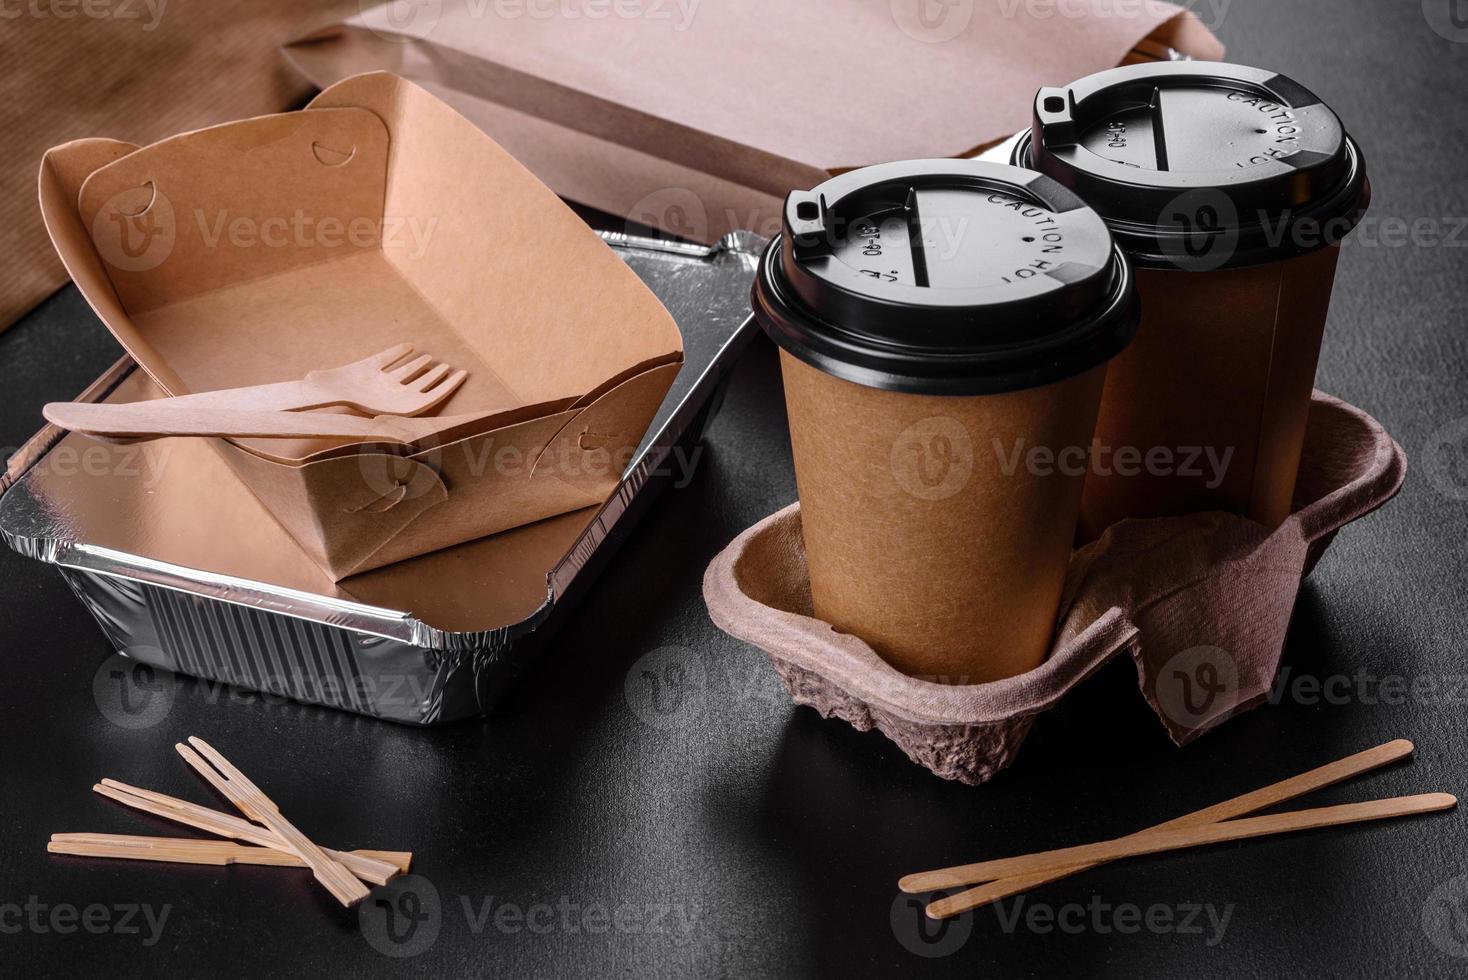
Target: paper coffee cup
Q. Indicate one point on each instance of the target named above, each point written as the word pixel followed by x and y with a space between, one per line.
pixel 945 328
pixel 1230 188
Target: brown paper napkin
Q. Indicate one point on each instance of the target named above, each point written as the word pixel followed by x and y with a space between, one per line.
pixel 1201 603
pixel 137 70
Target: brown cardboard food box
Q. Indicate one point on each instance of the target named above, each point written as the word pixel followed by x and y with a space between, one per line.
pixel 260 250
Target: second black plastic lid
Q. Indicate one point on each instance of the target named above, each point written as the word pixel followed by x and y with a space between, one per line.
pixel 1201 165
pixel 951 277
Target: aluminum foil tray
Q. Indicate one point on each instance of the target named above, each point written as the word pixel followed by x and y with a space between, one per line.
pixel 136 533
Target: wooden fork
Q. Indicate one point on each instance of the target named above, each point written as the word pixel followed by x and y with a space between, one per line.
pixel 159 420
pixel 383 384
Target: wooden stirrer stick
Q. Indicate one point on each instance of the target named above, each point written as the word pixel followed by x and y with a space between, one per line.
pixel 1251 802
pixel 253 803
pixel 177 850
pixel 1176 840
pixel 378 872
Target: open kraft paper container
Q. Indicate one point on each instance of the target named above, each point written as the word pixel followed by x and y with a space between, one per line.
pixel 260 250
pixel 1200 603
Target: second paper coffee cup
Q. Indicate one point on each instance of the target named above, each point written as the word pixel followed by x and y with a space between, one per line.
pixel 944 330
pixel 1230 188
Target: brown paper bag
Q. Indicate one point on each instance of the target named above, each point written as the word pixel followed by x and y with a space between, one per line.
pixel 147 68
pixel 698 116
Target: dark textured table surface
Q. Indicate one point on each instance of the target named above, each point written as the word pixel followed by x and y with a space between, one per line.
pixel 574 834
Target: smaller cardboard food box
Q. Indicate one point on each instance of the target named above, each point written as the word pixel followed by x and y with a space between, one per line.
pixel 261 250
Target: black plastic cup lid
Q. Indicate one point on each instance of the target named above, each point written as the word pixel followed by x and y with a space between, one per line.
pixel 951 277
pixel 1200 165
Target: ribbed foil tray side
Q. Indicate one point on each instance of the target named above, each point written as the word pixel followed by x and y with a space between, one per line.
pixel 287 656
pixel 381 662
